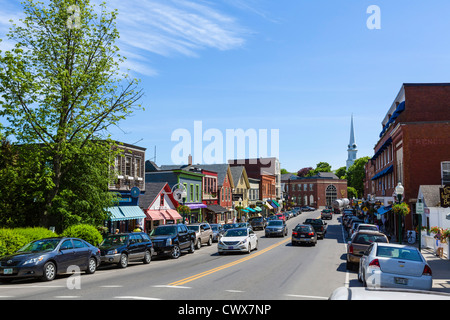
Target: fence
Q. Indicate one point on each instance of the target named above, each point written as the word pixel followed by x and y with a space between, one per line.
pixel 428 241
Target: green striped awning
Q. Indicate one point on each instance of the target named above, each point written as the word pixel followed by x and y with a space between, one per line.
pixel 122 213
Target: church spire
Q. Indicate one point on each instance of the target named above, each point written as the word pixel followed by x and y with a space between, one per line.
pixel 352 147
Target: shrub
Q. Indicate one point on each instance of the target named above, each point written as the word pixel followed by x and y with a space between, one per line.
pixel 84 231
pixel 11 241
pixel 36 233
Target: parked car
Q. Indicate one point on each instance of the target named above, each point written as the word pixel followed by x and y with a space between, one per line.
pixel 276 228
pixel 353 227
pixel 326 214
pixel 304 233
pixel 217 230
pixel 244 225
pixel 171 239
pixel 386 294
pixel 203 233
pixel 238 240
pixel 229 226
pixel 394 266
pixel 281 216
pixel 319 225
pixel 125 247
pixel 351 221
pixel 359 244
pixel 366 226
pixel 45 258
pixel 308 208
pixel 258 223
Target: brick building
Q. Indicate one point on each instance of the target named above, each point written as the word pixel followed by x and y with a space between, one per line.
pixel 318 191
pixel 413 146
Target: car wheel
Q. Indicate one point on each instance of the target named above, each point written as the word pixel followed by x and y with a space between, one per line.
pixel 210 241
pixel 175 253
pixel 147 257
pixel 199 244
pixel 92 265
pixel 49 271
pixel 123 263
pixel 192 247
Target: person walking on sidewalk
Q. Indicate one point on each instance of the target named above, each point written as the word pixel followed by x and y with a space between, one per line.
pixel 439 246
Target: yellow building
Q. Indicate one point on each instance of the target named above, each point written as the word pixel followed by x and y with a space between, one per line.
pixel 240 192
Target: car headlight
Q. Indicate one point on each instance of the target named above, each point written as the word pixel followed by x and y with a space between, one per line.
pixel 169 242
pixel 112 251
pixel 243 241
pixel 34 260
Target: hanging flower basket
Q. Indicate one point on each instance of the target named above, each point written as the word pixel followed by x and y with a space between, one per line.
pixel 184 209
pixel 401 208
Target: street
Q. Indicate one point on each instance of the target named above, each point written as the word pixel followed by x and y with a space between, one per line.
pixel 276 271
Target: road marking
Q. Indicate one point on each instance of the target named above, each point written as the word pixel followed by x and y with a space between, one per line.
pixel 169 286
pixel 347 274
pixel 112 286
pixel 208 272
pixel 136 298
pixel 303 296
pixel 235 291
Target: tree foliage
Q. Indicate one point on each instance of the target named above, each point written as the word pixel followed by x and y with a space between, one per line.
pixel 61 89
pixel 356 175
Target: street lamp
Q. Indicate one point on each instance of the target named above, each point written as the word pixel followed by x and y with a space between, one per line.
pixel 399 190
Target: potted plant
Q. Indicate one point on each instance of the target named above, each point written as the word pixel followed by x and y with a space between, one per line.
pixel 401 208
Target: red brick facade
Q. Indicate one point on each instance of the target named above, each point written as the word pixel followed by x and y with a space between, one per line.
pixel 413 146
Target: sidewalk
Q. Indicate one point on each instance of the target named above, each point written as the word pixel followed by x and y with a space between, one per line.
pixel 440 268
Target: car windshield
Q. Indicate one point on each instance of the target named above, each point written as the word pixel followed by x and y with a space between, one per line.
pixel 115 240
pixel 230 226
pixel 302 229
pixel 194 228
pixel 275 223
pixel 313 221
pixel 214 227
pixel 369 238
pixel 236 233
pixel 41 245
pixel 374 228
pixel 399 253
pixel 164 231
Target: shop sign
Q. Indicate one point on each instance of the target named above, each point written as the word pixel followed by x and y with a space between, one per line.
pixel 444 195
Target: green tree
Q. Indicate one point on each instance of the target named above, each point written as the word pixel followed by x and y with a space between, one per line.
pixel 356 175
pixel 61 89
pixel 321 167
pixel 352 193
pixel 341 173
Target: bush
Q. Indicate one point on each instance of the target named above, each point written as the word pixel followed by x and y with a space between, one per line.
pixel 85 232
pixel 36 233
pixel 11 241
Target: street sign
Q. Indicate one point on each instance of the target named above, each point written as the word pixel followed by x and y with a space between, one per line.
pixel 420 208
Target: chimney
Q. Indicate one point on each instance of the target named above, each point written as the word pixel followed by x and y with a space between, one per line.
pixel 190 160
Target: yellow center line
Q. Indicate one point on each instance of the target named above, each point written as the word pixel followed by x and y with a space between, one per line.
pixel 225 266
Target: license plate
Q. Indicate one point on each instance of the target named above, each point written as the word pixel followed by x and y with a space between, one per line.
pixel 401 281
pixel 302 236
pixel 7 271
pixel 230 248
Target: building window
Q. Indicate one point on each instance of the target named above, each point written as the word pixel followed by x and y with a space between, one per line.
pixel 197 189
pixel 191 191
pixel 330 194
pixel 128 166
pixel 138 167
pixel 161 200
pixel 445 170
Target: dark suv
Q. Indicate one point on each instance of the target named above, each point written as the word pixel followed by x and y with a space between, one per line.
pixel 124 247
pixel 319 226
pixel 171 239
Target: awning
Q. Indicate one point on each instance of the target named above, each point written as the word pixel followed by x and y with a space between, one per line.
pixel 258 209
pixel 276 203
pixel 122 213
pixel 250 209
pixel 384 172
pixel 196 205
pixel 154 215
pixel 244 210
pixel 386 144
pixel 383 210
pixel 174 214
pixel 269 205
pixel 216 208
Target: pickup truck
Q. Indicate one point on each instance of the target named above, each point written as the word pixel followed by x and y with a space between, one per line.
pixel 319 226
pixel 171 239
pixel 203 233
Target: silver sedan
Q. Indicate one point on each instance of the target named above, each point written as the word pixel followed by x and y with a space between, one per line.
pixel 394 266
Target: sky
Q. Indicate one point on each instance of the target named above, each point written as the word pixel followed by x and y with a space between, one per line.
pixel 295 68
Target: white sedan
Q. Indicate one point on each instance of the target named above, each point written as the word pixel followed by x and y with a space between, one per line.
pixel 394 266
pixel 238 240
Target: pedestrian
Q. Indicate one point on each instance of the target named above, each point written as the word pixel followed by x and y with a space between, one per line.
pixel 439 247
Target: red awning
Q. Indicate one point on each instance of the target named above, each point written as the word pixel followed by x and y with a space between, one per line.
pixel 155 215
pixel 174 214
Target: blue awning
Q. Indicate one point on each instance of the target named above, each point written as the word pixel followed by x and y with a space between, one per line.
pixel 250 209
pixel 121 213
pixel 383 210
pixel 397 112
pixel 386 171
pixel 386 144
pixel 274 203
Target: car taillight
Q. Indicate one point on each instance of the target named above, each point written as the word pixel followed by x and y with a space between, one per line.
pixel 294 233
pixel 427 271
pixel 375 263
pixel 350 249
pixel 311 234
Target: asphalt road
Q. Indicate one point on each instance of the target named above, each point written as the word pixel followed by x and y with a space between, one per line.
pixel 276 271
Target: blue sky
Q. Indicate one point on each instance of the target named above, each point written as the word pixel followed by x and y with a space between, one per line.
pixel 299 66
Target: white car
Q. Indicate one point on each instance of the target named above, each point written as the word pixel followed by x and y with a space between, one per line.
pixel 394 266
pixel 238 240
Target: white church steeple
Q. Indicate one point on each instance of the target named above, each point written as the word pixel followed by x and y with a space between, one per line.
pixel 352 147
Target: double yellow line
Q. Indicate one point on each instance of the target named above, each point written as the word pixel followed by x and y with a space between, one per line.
pixel 208 272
